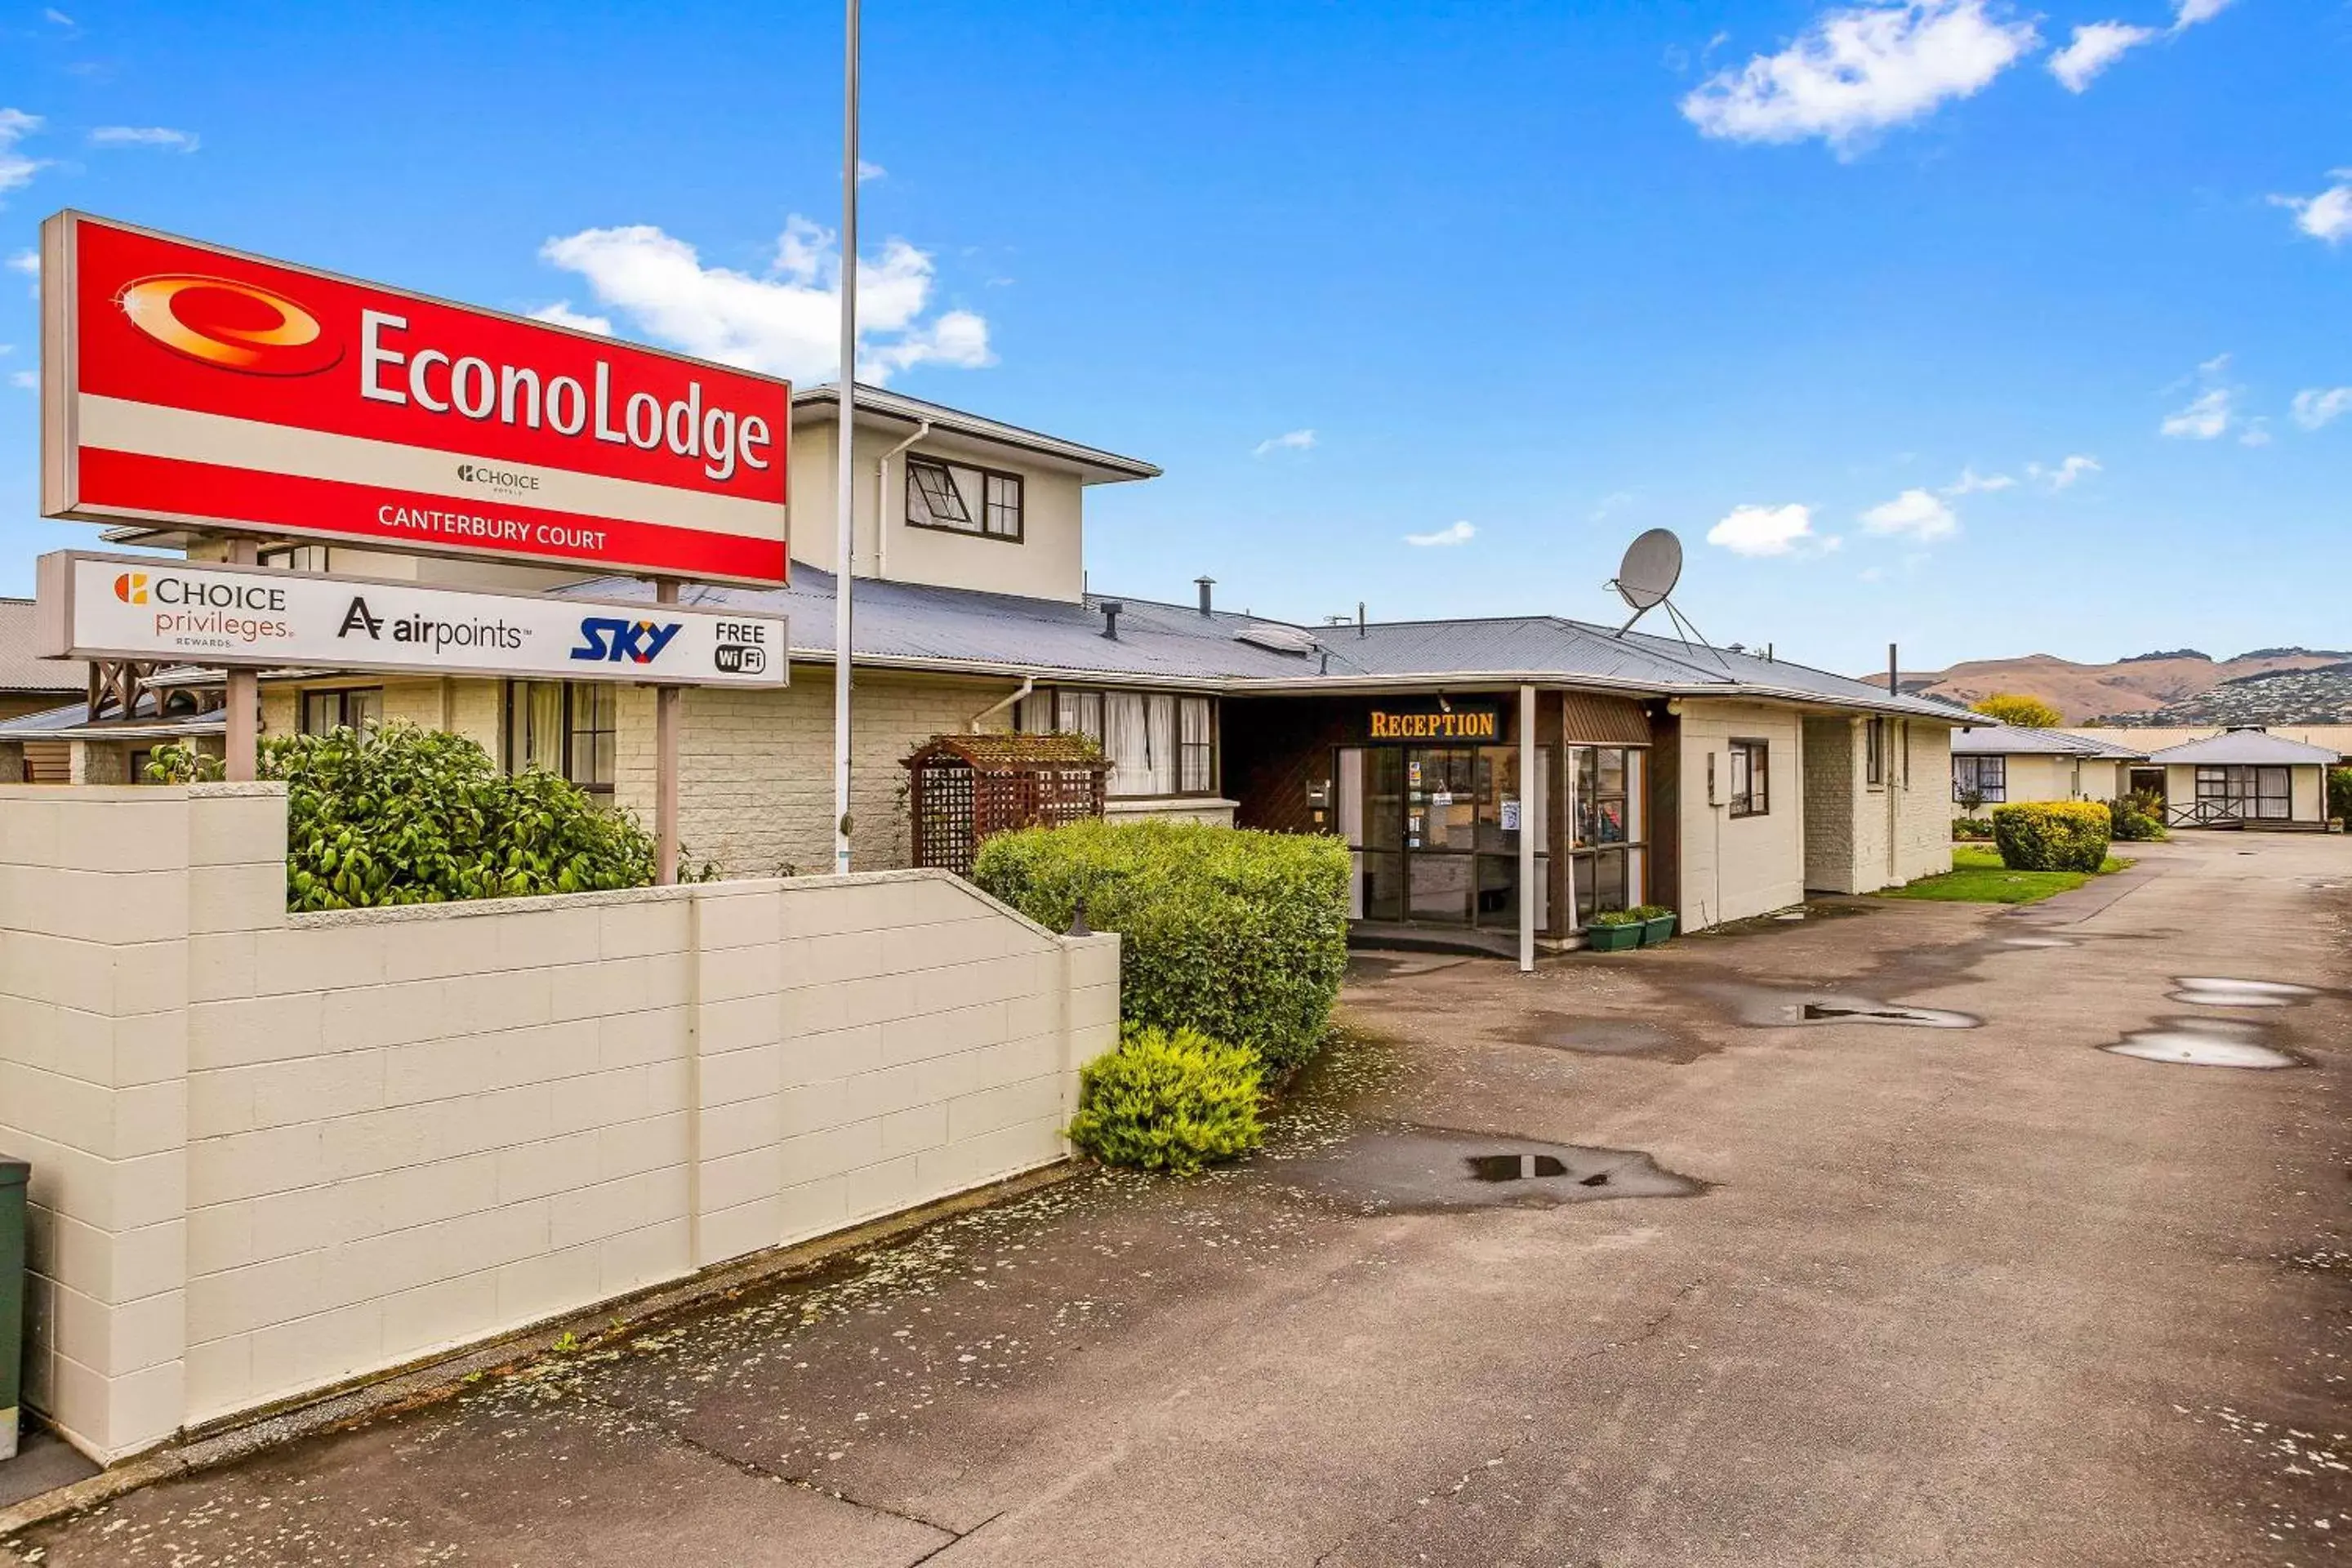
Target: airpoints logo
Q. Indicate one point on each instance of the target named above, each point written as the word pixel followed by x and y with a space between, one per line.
pixel 483 475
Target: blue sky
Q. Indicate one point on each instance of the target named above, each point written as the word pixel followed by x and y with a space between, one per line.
pixel 1982 329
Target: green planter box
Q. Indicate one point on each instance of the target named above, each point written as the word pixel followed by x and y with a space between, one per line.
pixel 1613 939
pixel 1657 929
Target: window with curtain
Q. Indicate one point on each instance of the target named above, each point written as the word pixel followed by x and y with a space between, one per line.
pixel 1988 776
pixel 1751 778
pixel 353 707
pixel 1158 743
pixel 566 728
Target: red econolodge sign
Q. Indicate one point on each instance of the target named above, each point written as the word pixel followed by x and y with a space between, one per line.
pixel 188 385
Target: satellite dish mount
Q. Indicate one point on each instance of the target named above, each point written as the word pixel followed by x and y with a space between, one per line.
pixel 1645 579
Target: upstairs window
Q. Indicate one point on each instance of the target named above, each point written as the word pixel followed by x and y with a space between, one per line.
pixel 961 499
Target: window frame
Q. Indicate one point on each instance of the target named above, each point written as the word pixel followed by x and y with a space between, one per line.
pixel 1051 697
pixel 979 526
pixel 1993 789
pixel 342 696
pixel 1873 753
pixel 601 791
pixel 1757 753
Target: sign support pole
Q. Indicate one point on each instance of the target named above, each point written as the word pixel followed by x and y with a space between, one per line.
pixel 666 707
pixel 1528 809
pixel 844 441
pixel 242 762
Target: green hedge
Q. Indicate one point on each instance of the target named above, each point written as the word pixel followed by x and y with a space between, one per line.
pixel 2053 835
pixel 1241 935
pixel 1168 1101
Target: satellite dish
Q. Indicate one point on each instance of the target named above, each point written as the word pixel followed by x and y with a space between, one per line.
pixel 1652 565
pixel 1645 579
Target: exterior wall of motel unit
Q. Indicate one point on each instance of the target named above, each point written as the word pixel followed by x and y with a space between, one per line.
pixel 1734 866
pixel 271 1153
pixel 1048 562
pixel 2034 776
pixel 1860 836
pixel 2306 785
pixel 2335 737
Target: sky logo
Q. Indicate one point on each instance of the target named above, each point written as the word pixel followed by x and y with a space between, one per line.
pixel 611 640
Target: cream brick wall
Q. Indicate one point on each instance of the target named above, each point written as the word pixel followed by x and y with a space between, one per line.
pixel 272 1153
pixel 1861 836
pixel 1833 775
pixel 1735 866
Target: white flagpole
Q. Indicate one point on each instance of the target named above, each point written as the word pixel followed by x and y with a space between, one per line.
pixel 845 435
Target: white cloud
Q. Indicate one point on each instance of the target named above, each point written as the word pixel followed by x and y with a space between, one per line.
pixel 1763 530
pixel 29 264
pixel 2208 416
pixel 2257 433
pixel 563 315
pixel 1915 513
pixel 1970 482
pixel 16 169
pixel 1458 533
pixel 2096 46
pixel 30 379
pixel 866 171
pixel 1862 70
pixel 2066 475
pixel 2327 215
pixel 58 16
pixel 2314 406
pixel 2189 13
pixel 786 321
pixel 1288 441
pixel 161 136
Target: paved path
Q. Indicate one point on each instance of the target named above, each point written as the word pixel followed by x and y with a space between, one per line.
pixel 1965 1295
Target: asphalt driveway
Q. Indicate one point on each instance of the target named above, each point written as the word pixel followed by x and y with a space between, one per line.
pixel 1826 1241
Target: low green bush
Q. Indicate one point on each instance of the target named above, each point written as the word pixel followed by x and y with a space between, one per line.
pixel 1972 828
pixel 1239 935
pixel 2137 817
pixel 2339 793
pixel 407 815
pixel 1171 1101
pixel 2052 835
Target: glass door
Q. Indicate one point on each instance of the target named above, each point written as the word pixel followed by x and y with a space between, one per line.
pixel 1441 834
pixel 1380 842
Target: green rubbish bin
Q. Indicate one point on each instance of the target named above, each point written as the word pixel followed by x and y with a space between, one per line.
pixel 13 1172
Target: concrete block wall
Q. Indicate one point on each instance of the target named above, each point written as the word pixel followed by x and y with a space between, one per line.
pixel 273 1153
pixel 1861 836
pixel 1923 818
pixel 1832 775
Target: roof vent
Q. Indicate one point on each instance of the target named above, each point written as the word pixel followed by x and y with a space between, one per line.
pixel 1205 584
pixel 1110 609
pixel 1277 638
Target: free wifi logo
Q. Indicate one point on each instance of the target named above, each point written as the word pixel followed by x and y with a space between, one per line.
pixel 232 326
pixel 132 588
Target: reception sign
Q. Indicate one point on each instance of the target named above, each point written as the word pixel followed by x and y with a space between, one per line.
pixel 154 608
pixel 186 384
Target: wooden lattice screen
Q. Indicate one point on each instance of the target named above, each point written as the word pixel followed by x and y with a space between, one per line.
pixel 963 788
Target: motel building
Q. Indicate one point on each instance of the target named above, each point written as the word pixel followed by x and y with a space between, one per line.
pixel 1481 772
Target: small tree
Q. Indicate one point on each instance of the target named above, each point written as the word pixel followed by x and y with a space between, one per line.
pixel 2339 793
pixel 2015 708
pixel 1972 800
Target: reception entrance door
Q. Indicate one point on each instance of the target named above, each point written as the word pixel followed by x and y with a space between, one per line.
pixel 1436 831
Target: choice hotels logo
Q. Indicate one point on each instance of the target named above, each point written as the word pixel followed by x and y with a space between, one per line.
pixel 132 588
pixel 232 326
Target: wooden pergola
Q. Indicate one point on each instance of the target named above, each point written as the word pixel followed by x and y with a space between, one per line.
pixel 962 789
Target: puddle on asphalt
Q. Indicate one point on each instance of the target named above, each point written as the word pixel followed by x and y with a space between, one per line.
pixel 2209 991
pixel 1613 1037
pixel 1430 1170
pixel 2204 1043
pixel 1760 1006
pixel 2039 941
pixel 1371 968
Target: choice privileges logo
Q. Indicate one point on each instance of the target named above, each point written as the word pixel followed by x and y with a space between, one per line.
pixel 229 325
pixel 132 588
pixel 610 640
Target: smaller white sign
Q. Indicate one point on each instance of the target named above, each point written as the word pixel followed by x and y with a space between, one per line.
pixel 1510 816
pixel 173 612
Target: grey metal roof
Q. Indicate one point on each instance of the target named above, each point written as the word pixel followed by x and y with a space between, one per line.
pixel 955 629
pixel 71 722
pixel 19 670
pixel 1991 740
pixel 819 403
pixel 2244 747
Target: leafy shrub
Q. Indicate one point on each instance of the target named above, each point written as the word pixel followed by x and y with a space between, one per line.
pixel 1972 828
pixel 1617 918
pixel 179 762
pixel 1168 1100
pixel 2014 708
pixel 1651 911
pixel 2339 793
pixel 1239 935
pixel 2137 817
pixel 404 816
pixel 2051 835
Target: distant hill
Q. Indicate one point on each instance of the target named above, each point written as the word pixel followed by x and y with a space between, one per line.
pixel 2133 691
pixel 2321 694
